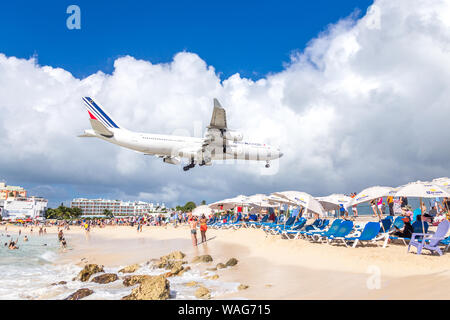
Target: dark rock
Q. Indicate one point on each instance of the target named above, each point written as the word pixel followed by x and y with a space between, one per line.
pixel 231 262
pixel 105 278
pixel 88 271
pixel 80 294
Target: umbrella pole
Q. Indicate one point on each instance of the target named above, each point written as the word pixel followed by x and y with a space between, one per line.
pixel 379 217
pixel 421 213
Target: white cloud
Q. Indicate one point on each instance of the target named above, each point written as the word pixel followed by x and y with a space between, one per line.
pixel 366 103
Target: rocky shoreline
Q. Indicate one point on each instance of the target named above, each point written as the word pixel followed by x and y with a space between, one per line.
pixel 153 287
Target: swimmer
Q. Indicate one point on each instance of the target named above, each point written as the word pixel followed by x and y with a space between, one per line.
pixel 25 238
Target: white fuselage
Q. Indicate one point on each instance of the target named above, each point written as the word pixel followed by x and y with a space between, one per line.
pixel 188 147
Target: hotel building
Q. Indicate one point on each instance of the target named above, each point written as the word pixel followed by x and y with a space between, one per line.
pixel 96 207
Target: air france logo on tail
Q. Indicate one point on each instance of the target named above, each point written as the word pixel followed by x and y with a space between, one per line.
pixel 96 113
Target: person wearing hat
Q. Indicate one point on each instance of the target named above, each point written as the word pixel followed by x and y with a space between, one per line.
pixel 407 231
pixel 407 211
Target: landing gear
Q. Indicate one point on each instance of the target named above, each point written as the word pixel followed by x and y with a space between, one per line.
pixel 267 164
pixel 201 164
pixel 189 166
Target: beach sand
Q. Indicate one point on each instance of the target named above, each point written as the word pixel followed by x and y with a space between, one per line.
pixel 272 267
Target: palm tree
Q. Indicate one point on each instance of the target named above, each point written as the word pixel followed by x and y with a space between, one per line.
pixel 108 213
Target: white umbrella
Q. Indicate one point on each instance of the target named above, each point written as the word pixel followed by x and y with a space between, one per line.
pixel 303 199
pixel 420 189
pixel 333 201
pixel 230 203
pixel 224 204
pixel 371 193
pixel 442 182
pixel 260 200
pixel 198 211
pixel 279 200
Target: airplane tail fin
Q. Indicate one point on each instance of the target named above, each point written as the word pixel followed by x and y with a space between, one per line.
pixel 100 120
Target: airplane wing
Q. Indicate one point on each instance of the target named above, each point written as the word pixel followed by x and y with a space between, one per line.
pixel 219 117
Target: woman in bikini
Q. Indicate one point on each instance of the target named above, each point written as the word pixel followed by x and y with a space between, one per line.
pixel 203 227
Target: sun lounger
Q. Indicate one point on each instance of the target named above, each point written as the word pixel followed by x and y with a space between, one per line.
pixel 345 228
pixel 316 235
pixel 293 230
pixel 257 224
pixel 446 243
pixel 430 241
pixel 369 233
pixel 319 227
pixel 418 228
pixel 283 226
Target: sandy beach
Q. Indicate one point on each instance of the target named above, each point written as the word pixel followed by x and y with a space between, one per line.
pixel 272 267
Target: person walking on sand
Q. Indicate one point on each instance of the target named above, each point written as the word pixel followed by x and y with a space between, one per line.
pixel 193 224
pixel 390 201
pixel 203 227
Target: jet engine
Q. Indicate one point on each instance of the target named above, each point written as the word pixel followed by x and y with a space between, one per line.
pixel 172 160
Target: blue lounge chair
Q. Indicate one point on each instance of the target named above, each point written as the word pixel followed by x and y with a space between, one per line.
pixel 295 229
pixel 236 223
pixel 257 224
pixel 280 227
pixel 446 243
pixel 369 233
pixel 314 225
pixel 345 228
pixel 430 241
pixel 318 227
pixel 318 235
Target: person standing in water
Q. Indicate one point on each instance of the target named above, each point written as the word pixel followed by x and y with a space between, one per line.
pixel 203 227
pixel 193 224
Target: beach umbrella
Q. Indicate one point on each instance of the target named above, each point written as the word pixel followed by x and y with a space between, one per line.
pixel 420 189
pixel 442 182
pixel 302 199
pixel 204 209
pixel 334 201
pixel 224 204
pixel 260 200
pixel 372 193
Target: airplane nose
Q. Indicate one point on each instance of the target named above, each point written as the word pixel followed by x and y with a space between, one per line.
pixel 281 154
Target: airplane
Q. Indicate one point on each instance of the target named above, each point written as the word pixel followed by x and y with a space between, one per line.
pixel 219 142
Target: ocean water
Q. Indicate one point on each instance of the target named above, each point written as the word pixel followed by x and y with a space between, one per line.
pixel 30 271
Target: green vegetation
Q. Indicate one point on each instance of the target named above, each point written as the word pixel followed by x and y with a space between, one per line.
pixel 108 213
pixel 189 206
pixel 63 212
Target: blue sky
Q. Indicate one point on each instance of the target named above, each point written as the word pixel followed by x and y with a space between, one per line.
pixel 253 38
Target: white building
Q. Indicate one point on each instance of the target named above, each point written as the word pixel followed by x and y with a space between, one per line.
pixel 117 207
pixel 23 208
